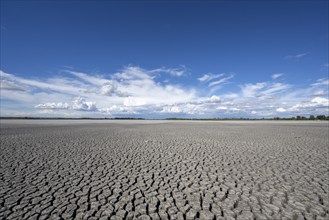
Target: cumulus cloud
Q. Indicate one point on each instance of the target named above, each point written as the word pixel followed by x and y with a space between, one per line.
pixel 81 104
pixel 317 104
pixel 109 88
pixel 214 99
pixel 119 110
pixel 281 110
pixel 199 106
pixel 53 105
pixel 172 109
pixel 320 101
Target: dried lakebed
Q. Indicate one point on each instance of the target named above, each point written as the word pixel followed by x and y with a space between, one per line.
pixel 164 170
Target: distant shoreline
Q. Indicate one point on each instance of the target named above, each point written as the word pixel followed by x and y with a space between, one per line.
pixel 298 118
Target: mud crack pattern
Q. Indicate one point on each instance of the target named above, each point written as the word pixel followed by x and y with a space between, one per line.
pixel 173 170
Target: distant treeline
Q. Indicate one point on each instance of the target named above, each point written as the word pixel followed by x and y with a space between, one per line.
pixel 311 117
pixel 59 118
pixel 128 118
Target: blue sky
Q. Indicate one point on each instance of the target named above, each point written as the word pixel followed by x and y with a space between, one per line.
pixel 164 58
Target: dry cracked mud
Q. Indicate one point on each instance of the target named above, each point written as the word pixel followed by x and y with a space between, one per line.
pixel 164 170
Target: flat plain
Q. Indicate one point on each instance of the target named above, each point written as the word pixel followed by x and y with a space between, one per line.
pixel 164 170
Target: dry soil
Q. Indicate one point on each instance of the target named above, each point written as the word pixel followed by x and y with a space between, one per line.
pixel 164 170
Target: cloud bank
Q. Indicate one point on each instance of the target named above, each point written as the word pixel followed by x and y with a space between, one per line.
pixel 134 91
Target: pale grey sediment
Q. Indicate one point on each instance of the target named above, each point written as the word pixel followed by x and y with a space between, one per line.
pixel 164 170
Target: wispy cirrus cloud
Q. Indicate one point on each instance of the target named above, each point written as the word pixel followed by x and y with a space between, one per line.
pixel 221 81
pixel 215 81
pixel 263 89
pixel 297 56
pixel 250 90
pixel 209 76
pixel 180 71
pixel 277 75
pixel 321 82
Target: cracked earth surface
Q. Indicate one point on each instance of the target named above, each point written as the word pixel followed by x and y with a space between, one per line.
pixel 170 170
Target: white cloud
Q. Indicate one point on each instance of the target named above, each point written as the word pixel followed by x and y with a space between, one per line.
pixel 230 95
pixel 134 101
pixel 216 85
pixel 136 91
pixel 94 80
pixel 321 82
pixel 172 71
pixel 234 109
pixel 277 75
pixel 209 76
pixel 263 89
pixel 213 83
pixel 41 84
pixel 214 99
pixel 53 105
pixel 320 101
pixel 317 104
pixel 221 81
pixel 134 73
pixel 319 93
pixel 81 104
pixel 132 87
pixel 274 88
pixel 250 90
pixel 297 56
pixel 200 106
pixel 109 88
pixel 6 84
pixel 281 110
pixel 222 108
pixel 172 109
